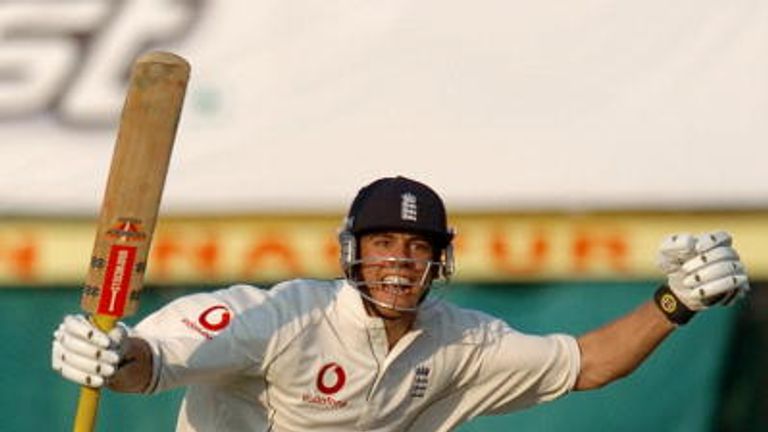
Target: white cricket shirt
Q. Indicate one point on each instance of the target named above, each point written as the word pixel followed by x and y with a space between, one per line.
pixel 305 356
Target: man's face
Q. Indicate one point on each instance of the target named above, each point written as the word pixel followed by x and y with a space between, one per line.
pixel 395 268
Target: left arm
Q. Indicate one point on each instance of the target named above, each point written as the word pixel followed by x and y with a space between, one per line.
pixel 701 271
pixel 616 349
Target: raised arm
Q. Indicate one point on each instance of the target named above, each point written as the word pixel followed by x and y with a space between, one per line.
pixel 616 349
pixel 701 271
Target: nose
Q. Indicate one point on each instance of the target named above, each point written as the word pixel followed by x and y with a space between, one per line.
pixel 401 251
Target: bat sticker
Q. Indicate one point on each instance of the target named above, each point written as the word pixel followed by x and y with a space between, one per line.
pixel 127 229
pixel 117 280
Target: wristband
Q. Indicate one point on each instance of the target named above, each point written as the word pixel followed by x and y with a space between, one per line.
pixel 671 306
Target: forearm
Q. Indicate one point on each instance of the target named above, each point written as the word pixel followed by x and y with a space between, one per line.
pixel 616 349
pixel 135 370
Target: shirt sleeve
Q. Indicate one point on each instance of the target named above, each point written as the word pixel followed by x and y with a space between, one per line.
pixel 193 338
pixel 517 370
pixel 214 337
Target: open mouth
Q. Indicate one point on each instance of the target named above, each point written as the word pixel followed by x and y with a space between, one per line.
pixel 393 291
pixel 395 284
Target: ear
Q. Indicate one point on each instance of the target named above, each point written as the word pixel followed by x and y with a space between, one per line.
pixel 348 250
pixel 449 266
pixel 435 271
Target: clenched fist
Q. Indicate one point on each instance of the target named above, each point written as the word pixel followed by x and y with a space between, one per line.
pixel 702 270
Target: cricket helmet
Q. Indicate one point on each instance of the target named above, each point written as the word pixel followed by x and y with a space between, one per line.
pixel 397 204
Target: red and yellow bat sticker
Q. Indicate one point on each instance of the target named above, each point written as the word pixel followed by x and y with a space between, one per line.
pixel 117 280
pixel 127 229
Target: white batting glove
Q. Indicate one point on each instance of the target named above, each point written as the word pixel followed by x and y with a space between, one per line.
pixel 674 251
pixel 702 270
pixel 84 354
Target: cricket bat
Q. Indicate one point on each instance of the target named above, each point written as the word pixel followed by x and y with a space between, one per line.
pixel 129 210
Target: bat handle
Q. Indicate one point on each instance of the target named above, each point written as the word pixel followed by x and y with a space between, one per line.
pixel 87 407
pixel 88 404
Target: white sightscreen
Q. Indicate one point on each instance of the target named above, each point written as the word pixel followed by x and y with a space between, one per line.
pixel 498 104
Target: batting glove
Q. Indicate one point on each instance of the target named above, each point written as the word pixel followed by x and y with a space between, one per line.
pixel 702 270
pixel 84 354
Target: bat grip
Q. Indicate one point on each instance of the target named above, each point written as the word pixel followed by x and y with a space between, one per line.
pixel 88 404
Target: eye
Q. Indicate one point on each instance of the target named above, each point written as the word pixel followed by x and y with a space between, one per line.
pixel 421 247
pixel 381 242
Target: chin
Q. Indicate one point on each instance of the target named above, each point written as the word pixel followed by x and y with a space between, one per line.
pixel 386 312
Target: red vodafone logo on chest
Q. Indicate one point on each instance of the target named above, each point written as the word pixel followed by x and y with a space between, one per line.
pixel 331 378
pixel 215 318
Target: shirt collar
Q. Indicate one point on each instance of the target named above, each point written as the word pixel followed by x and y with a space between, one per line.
pixel 352 307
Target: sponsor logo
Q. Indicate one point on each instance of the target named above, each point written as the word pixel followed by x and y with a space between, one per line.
pixel 210 322
pixel 215 318
pixel 331 378
pixel 71 57
pixel 327 402
pixel 668 303
pixel 127 229
pixel 420 381
pixel 117 280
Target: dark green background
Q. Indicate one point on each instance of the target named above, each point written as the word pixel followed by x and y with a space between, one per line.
pixel 681 388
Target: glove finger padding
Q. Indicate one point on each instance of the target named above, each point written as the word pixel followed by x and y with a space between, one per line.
pixel 712 290
pixel 79 326
pixel 88 364
pixel 711 272
pixel 731 296
pixel 711 256
pixel 736 294
pixel 74 345
pixel 702 271
pixel 707 241
pixel 60 363
pixel 81 377
pixel 84 354
pixel 708 278
pixel 56 363
pixel 674 251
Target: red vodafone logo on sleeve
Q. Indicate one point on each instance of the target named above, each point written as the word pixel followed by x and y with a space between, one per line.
pixel 331 378
pixel 215 318
pixel 210 321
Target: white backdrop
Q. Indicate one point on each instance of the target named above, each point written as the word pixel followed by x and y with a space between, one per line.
pixel 499 104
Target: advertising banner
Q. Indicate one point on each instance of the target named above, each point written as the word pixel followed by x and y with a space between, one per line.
pixel 488 248
pixel 293 106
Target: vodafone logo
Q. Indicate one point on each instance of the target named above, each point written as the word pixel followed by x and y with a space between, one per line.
pixel 331 378
pixel 215 318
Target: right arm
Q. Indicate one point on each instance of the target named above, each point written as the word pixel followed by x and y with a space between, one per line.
pixel 123 360
pixel 197 338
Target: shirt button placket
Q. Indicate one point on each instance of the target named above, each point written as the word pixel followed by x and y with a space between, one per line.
pixel 379 349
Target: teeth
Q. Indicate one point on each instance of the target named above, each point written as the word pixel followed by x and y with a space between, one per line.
pixel 397 280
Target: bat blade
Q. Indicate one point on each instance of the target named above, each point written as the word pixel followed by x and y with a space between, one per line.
pixel 137 175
